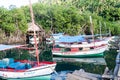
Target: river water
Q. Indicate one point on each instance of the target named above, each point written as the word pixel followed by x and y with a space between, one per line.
pixel 64 65
pixel 93 65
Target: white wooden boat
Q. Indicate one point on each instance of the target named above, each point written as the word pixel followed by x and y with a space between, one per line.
pixel 78 46
pixel 90 48
pixel 84 43
pixel 23 69
pixel 79 52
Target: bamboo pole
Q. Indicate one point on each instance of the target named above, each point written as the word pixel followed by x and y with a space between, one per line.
pixel 100 30
pixel 92 31
pixel 33 24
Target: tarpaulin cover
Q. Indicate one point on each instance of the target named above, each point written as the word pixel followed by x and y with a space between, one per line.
pixel 70 39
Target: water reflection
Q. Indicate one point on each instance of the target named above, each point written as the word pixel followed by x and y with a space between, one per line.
pixel 96 61
pixel 93 65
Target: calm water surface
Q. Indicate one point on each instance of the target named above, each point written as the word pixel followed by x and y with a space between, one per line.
pixel 93 65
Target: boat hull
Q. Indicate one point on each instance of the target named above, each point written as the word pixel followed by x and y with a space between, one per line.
pixel 45 77
pixel 34 72
pixel 98 52
pixel 80 56
pixel 84 44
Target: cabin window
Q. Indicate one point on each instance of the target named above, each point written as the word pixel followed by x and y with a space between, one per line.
pixel 80 48
pixel 91 47
pixel 56 46
pixel 75 43
pixel 79 42
pixel 67 49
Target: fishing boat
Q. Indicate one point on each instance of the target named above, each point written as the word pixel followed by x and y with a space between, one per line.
pixel 23 69
pixel 77 41
pixel 77 46
pixel 11 68
pixel 79 51
pixel 81 41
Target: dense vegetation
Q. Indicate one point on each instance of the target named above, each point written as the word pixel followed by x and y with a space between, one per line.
pixel 69 16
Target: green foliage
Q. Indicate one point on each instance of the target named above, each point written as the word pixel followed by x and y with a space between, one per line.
pixel 71 17
pixel 74 16
pixel 6 20
pixel 11 20
pixel 20 21
pixel 111 14
pixel 110 57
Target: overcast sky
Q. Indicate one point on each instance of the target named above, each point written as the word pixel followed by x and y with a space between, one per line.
pixel 18 3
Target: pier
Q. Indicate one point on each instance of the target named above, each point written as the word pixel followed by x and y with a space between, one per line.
pixel 82 75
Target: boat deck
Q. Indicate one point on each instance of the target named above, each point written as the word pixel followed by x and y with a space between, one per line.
pixel 7 64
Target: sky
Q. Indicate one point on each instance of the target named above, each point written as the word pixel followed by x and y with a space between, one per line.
pixel 18 3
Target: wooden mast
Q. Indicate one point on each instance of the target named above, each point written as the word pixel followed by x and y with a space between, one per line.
pixel 33 24
pixel 100 30
pixel 92 31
